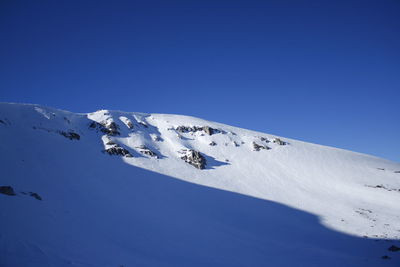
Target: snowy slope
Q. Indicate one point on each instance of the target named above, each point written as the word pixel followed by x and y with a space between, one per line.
pixel 122 189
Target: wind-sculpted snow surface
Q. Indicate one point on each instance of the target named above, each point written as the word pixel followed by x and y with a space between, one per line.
pixel 69 202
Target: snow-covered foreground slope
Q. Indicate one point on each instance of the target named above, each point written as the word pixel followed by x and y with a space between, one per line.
pixel 100 189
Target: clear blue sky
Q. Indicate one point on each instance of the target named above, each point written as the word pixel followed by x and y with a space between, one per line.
pixel 326 72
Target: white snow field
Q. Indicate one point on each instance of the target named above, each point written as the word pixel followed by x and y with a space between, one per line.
pixel 115 188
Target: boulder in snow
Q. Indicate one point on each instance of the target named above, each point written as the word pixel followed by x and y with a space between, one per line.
pixel 146 151
pixel 257 147
pixel 279 141
pixel 192 129
pixel 208 130
pixel 120 151
pixel 129 124
pixel 110 128
pixel 194 158
pixel 35 195
pixel 7 190
pixel 70 135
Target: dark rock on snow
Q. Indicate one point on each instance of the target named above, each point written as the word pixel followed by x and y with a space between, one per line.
pixel 129 124
pixel 186 129
pixel 145 150
pixel 109 128
pixel 111 143
pixel 70 135
pixel 119 151
pixel 207 129
pixel 212 143
pixel 94 125
pixel 35 195
pixel 112 128
pixel 394 248
pixel 383 187
pixel 258 147
pixel 279 141
pixel 7 190
pixel 195 159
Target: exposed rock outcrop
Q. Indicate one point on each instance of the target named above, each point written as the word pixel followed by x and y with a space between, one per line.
pixel 7 190
pixel 110 128
pixel 279 141
pixel 186 129
pixel 207 129
pixel 212 143
pixel 129 124
pixel 146 151
pixel 119 151
pixel 111 143
pixel 257 147
pixel 70 135
pixel 94 125
pixel 381 186
pixel 35 195
pixel 194 158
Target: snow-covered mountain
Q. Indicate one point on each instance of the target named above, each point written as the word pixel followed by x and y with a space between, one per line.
pixel 113 188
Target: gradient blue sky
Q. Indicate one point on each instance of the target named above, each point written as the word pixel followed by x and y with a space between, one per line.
pixel 326 72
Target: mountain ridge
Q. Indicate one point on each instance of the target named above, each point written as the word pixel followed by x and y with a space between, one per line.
pixel 351 193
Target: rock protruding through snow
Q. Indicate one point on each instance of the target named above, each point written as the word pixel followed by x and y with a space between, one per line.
pixel 207 129
pixel 117 150
pixel 108 127
pixel 7 190
pixel 70 135
pixel 194 158
pixel 35 195
pixel 146 151
pixel 279 141
pixel 258 147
